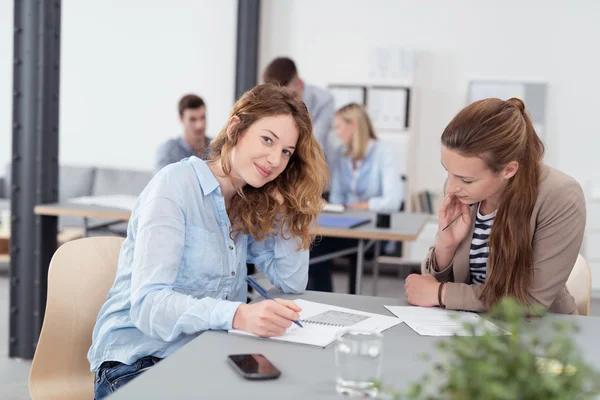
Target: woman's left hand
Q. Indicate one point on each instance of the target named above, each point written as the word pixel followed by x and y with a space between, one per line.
pixel 422 290
pixel 362 205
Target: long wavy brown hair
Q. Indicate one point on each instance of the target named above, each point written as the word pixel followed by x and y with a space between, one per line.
pixel 499 132
pixel 256 211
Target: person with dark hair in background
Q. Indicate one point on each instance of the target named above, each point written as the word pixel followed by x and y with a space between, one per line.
pixel 192 114
pixel 319 102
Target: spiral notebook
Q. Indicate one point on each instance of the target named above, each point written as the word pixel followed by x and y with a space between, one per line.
pixel 322 322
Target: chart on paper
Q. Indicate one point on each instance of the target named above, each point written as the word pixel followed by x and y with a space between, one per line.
pixel 322 322
pixel 335 318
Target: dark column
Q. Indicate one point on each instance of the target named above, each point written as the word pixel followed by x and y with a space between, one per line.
pixel 246 64
pixel 34 166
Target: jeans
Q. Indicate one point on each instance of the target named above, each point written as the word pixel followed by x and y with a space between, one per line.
pixel 319 274
pixel 112 375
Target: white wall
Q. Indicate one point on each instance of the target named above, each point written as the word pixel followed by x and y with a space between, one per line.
pixel 125 64
pixel 455 41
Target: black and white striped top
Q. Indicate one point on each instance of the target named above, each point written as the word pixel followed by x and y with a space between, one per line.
pixel 480 251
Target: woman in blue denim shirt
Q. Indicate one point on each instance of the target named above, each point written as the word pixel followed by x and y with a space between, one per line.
pixel 182 267
pixel 365 177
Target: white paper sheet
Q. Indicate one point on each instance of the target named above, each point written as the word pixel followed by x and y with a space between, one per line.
pixel 334 208
pixel 427 321
pixel 322 322
pixel 123 201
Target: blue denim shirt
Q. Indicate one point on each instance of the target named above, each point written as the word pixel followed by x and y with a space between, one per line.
pixel 376 180
pixel 180 272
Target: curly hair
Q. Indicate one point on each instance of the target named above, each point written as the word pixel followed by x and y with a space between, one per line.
pixel 256 211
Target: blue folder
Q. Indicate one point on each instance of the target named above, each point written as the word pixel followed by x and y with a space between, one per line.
pixel 341 221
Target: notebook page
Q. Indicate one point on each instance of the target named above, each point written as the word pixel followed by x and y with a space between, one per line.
pixel 428 321
pixel 322 322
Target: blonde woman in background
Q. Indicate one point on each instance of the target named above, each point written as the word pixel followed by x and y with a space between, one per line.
pixel 366 177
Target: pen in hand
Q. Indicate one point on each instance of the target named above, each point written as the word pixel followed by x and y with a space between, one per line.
pixel 263 292
pixel 454 219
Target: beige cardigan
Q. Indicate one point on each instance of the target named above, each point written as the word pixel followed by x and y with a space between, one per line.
pixel 557 227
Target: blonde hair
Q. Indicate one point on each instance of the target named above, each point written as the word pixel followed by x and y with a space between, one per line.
pixel 256 211
pixel 364 130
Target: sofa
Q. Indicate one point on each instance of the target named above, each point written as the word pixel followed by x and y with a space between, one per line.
pixel 78 181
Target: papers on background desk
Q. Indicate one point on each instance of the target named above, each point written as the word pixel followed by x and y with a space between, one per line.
pixel 427 321
pixel 334 208
pixel 322 322
pixel 123 201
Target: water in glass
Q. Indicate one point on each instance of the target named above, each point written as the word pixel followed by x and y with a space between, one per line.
pixel 358 357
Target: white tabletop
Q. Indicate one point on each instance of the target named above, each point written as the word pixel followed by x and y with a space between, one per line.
pixel 200 369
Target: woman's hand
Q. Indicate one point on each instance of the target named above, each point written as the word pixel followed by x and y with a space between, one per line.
pixel 459 229
pixel 447 241
pixel 267 318
pixel 422 290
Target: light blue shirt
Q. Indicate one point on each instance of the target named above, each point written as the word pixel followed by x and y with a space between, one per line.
pixel 376 180
pixel 180 272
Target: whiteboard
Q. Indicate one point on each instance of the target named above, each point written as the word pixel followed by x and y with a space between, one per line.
pixel 387 108
pixel 533 95
pixel 501 90
pixel 344 95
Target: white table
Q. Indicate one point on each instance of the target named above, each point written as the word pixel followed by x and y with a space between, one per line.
pixel 200 369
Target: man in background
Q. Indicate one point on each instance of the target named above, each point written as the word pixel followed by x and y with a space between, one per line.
pixel 321 108
pixel 192 114
pixel 319 102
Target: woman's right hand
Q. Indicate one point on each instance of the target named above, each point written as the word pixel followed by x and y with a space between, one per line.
pixel 447 241
pixel 267 318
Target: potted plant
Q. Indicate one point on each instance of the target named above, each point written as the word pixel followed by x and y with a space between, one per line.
pixel 527 364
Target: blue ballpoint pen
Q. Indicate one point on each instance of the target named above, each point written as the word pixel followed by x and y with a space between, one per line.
pixel 262 291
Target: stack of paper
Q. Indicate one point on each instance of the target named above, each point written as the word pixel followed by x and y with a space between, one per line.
pixel 322 322
pixel 334 208
pixel 428 321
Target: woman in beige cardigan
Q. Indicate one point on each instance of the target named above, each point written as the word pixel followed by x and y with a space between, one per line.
pixel 520 223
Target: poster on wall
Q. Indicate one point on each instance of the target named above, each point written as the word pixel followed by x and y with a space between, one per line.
pixel 388 108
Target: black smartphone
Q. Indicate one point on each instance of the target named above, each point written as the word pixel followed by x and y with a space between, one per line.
pixel 254 366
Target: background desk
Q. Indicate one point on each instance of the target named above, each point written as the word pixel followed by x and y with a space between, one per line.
pixel 200 369
pixel 404 227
